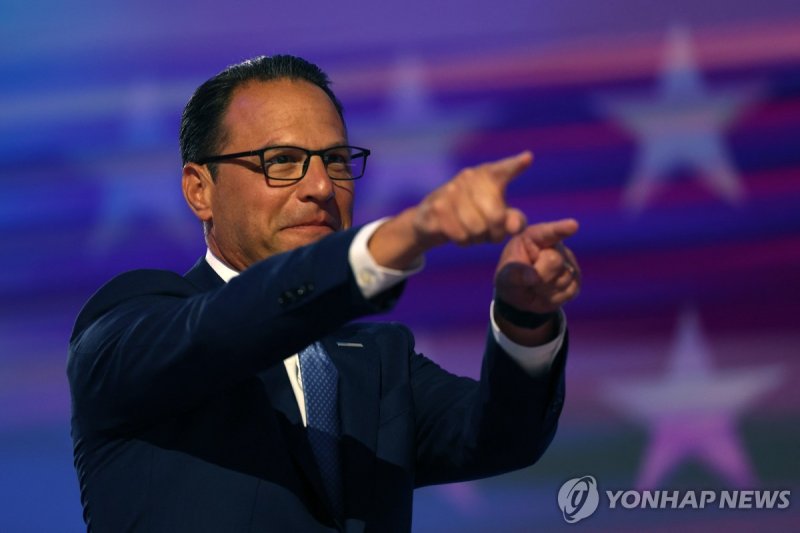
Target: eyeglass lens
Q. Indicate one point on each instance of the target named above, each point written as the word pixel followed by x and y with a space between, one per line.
pixel 289 163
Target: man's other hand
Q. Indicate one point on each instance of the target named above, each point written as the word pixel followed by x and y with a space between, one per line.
pixel 537 273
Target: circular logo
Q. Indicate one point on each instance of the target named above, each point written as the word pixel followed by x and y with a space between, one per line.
pixel 578 498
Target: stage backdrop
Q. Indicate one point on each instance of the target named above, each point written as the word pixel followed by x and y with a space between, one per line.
pixel 670 130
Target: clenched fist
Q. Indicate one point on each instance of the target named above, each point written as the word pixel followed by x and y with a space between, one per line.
pixel 536 274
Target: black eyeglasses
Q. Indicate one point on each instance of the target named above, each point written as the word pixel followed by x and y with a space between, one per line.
pixel 290 163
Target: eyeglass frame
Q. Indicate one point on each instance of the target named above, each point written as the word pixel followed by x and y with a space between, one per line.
pixel 363 152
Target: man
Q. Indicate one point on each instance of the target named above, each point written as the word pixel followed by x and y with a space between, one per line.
pixel 240 398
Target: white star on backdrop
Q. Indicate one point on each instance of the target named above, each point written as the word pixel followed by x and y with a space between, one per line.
pixel 141 182
pixel 412 144
pixel 691 410
pixel 682 126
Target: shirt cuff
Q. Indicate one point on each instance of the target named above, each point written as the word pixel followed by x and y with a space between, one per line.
pixel 371 277
pixel 533 359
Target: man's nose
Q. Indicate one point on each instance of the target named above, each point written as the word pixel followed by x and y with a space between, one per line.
pixel 316 185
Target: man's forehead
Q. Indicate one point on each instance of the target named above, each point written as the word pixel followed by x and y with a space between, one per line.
pixel 279 103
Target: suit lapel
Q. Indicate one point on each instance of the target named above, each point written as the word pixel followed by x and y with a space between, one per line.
pixel 282 399
pixel 280 393
pixel 359 378
pixel 357 361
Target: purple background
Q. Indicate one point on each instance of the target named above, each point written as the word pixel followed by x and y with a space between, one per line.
pixel 670 130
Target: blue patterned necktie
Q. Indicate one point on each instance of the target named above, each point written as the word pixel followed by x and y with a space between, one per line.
pixel 320 386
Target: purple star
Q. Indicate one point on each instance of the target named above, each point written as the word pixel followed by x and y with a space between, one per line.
pixel 691 410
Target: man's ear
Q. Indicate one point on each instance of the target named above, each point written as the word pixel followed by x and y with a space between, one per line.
pixel 198 188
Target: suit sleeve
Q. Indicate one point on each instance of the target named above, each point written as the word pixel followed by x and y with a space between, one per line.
pixel 148 345
pixel 468 430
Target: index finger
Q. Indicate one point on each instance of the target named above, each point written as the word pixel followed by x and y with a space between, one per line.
pixel 547 234
pixel 508 168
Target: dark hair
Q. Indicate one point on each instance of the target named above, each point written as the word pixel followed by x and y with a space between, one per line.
pixel 201 123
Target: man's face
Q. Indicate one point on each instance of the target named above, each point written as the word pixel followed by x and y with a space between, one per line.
pixel 251 219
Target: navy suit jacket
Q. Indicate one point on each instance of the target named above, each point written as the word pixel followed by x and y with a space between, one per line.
pixel 184 419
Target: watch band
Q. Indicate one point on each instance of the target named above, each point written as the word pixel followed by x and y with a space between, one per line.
pixel 520 318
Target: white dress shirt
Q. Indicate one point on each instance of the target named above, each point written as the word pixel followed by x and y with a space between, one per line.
pixel 373 279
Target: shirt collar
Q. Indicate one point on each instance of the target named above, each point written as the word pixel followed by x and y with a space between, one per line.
pixel 222 270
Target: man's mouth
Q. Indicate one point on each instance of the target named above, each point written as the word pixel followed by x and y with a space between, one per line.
pixel 326 223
